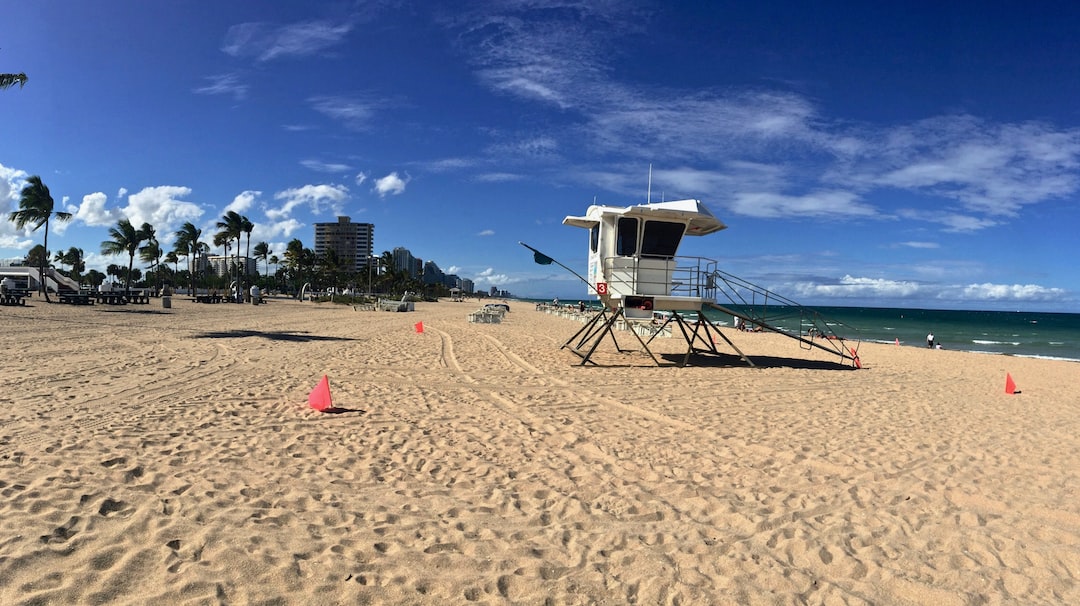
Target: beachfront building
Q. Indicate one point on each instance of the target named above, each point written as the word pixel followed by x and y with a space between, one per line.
pixel 223 265
pixel 406 262
pixel 351 242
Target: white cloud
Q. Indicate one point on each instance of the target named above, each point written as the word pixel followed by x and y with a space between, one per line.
pixel 224 84
pixel 284 228
pixel 391 184
pixel 360 178
pixel 992 169
pixel 880 289
pixel 161 207
pixel 487 232
pixel 816 204
pixel 265 41
pixel 489 277
pixel 1010 292
pixel 92 211
pixel 854 287
pixel 497 177
pixel 12 182
pixel 953 222
pixel 922 245
pixel 325 167
pixel 242 202
pixel 318 198
pixel 355 114
pixel 449 164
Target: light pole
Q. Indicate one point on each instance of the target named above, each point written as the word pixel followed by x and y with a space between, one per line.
pixel 369 261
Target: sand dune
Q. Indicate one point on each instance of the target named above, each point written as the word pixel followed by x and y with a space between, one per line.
pixel 152 455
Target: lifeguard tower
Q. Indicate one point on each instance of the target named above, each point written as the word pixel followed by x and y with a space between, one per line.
pixel 635 272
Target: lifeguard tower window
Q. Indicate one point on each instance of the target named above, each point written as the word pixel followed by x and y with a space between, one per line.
pixel 661 238
pixel 626 238
pixel 594 237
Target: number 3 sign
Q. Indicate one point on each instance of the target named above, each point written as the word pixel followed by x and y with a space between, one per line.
pixel 601 288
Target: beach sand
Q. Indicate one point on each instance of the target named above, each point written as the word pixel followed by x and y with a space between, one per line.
pixel 152 455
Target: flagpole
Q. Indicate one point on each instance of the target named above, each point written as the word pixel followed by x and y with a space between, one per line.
pixel 560 265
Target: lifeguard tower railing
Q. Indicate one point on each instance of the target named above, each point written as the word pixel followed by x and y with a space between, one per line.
pixel 750 306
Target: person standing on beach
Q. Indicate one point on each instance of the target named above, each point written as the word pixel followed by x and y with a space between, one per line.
pixel 930 340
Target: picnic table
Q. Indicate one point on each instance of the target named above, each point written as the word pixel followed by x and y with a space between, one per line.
pixel 76 298
pixel 110 297
pixel 14 296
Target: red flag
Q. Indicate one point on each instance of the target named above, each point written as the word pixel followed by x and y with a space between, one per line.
pixel 419 327
pixel 1010 386
pixel 319 398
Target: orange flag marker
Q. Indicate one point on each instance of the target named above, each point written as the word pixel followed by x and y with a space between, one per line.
pixel 419 327
pixel 1010 385
pixel 319 398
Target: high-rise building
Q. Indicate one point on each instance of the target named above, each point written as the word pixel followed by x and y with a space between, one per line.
pixel 406 262
pixel 352 242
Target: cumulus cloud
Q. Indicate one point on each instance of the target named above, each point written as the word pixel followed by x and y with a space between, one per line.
pixel 491 278
pixel 391 184
pixel 1010 292
pixel 161 207
pixel 243 202
pixel 881 289
pixel 92 211
pixel 856 287
pixel 12 181
pixel 284 228
pixel 318 198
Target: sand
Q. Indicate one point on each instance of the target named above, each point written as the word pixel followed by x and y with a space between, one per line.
pixel 152 455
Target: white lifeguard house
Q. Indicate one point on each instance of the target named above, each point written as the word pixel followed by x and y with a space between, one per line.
pixel 635 270
pixel 632 255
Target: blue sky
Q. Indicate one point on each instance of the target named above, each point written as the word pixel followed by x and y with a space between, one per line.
pixel 918 154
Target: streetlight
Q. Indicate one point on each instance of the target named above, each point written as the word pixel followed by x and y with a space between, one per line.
pixel 369 261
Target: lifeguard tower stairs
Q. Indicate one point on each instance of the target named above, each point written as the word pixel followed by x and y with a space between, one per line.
pixel 636 274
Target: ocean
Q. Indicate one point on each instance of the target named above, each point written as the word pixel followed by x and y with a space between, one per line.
pixel 1033 334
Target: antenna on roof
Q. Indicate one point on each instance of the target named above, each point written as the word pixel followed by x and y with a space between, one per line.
pixel 648 196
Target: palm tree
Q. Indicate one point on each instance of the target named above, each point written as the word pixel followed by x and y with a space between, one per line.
pixel 262 251
pixel 35 209
pixel 174 258
pixel 229 227
pixel 187 240
pixel 125 238
pixel 151 253
pixel 75 258
pixel 8 80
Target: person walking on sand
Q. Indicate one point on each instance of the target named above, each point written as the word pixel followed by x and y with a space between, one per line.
pixel 930 340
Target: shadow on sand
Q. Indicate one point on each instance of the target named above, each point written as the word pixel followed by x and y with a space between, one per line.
pixel 299 337
pixel 732 360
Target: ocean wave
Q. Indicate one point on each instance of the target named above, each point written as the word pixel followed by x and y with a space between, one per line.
pixel 1042 357
pixel 983 342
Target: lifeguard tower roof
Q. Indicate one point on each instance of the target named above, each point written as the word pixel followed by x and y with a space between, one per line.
pixel 701 221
